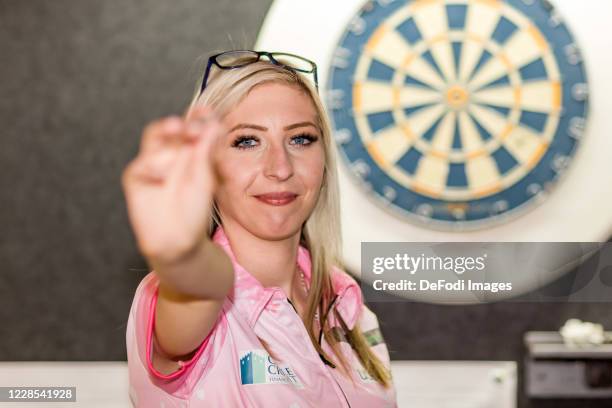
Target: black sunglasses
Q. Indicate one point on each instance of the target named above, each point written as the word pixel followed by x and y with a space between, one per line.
pixel 239 58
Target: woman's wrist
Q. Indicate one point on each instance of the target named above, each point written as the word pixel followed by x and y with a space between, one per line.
pixel 203 272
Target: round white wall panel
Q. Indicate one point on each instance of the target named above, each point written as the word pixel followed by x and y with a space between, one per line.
pixel 462 120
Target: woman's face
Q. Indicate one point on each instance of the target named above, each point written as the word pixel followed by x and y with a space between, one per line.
pixel 270 163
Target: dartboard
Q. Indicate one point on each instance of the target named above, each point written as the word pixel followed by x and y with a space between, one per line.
pixel 457 113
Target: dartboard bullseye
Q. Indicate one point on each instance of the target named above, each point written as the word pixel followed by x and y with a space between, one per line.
pixel 457 113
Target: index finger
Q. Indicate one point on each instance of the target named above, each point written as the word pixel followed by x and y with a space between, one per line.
pixel 208 119
pixel 160 132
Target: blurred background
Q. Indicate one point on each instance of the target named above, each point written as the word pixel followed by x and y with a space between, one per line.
pixel 80 80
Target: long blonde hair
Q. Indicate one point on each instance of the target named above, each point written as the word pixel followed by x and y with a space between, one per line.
pixel 321 233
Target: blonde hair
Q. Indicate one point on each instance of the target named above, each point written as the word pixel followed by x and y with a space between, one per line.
pixel 321 233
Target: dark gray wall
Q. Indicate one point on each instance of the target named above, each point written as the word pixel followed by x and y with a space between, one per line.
pixel 80 79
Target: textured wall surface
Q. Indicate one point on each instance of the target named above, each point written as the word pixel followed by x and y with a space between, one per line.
pixel 80 79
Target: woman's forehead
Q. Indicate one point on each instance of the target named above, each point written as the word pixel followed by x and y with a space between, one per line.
pixel 277 94
pixel 273 106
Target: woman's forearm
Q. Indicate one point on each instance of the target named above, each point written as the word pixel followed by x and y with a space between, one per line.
pixel 204 273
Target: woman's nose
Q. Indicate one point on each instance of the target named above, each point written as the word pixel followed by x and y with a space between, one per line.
pixel 278 163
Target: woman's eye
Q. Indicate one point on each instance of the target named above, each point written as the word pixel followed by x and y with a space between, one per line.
pixel 249 142
pixel 245 142
pixel 304 139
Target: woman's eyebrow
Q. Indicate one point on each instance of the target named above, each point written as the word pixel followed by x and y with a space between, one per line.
pixel 263 129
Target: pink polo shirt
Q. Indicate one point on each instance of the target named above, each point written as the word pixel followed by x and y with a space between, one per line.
pixel 232 369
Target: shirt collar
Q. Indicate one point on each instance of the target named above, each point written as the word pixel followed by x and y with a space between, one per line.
pixel 250 297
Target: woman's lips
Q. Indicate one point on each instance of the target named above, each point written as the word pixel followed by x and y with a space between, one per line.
pixel 282 198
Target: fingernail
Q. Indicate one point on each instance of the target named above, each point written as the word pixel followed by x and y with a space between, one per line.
pixel 173 125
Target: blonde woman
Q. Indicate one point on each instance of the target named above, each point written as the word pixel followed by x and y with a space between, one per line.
pixel 235 207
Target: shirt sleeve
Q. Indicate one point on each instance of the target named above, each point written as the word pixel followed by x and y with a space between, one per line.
pixel 370 328
pixel 180 382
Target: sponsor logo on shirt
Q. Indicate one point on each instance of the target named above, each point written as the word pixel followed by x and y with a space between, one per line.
pixel 364 376
pixel 257 367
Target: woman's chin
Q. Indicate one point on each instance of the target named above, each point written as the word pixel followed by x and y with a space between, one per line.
pixel 276 230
